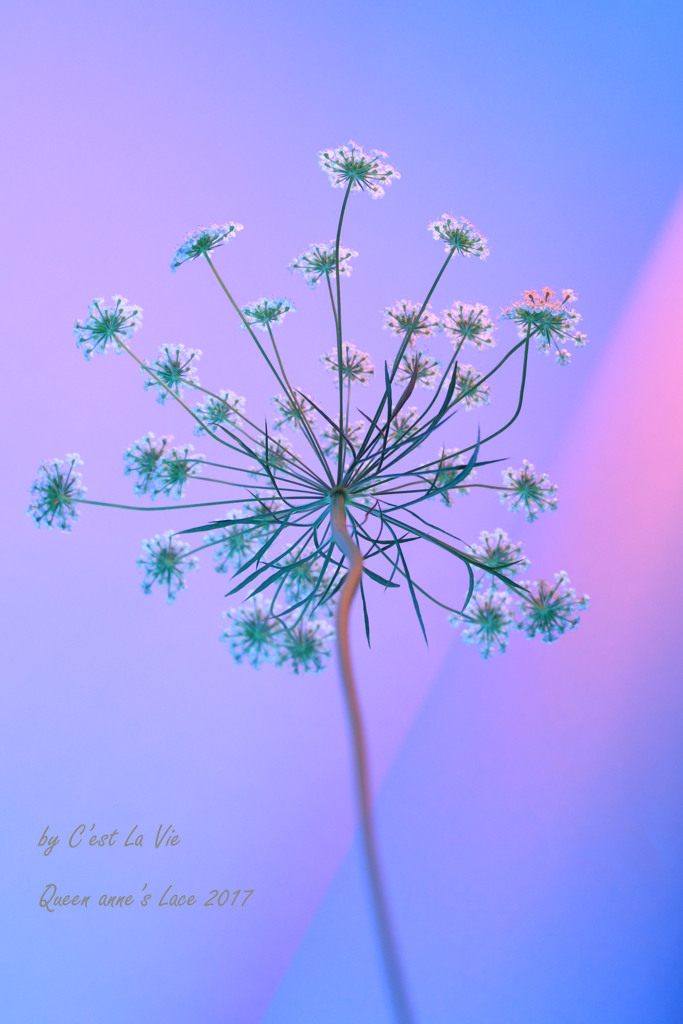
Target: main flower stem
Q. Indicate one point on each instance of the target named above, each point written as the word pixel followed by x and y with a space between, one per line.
pixel 387 941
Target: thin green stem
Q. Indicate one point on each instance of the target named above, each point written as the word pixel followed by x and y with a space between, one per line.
pixel 338 325
pixel 392 966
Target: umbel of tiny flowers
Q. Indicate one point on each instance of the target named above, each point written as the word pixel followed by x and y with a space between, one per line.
pixel 306 647
pixel 551 321
pixel 498 550
pixel 222 410
pixel 174 367
pixel 265 313
pixel 166 562
pixel 106 327
pixel 174 469
pixel 322 261
pixel 356 366
pixel 469 387
pixel 528 491
pixel 141 459
pixel 293 413
pixel 55 492
pixel 420 367
pixel 468 324
pixel 488 621
pixel 459 235
pixel 350 167
pixel 233 545
pixel 409 318
pixel 549 610
pixel 203 241
pixel 451 474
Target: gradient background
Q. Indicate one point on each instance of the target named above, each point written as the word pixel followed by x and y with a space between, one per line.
pixel 529 808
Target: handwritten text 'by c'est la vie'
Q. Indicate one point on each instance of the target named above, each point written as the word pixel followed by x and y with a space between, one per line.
pixel 82 835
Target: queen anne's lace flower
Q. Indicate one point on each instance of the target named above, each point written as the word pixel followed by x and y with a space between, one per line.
pixel 550 610
pixel 266 312
pixel 468 387
pixel 174 469
pixel 497 550
pixel 349 165
pixel 106 327
pixel 427 369
pixel 293 414
pixel 321 260
pixel 404 317
pixel 487 621
pixel 202 241
pixel 278 454
pixel 141 459
pixel 225 410
pixel 55 492
pixel 459 235
pixel 357 367
pixel 402 423
pixel 528 491
pixel 166 562
pixel 253 633
pixel 307 646
pixel 175 366
pixel 472 324
pixel 447 476
pixel 330 436
pixel 234 544
pixel 551 321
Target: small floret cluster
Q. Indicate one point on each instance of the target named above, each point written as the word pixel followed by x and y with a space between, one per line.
pixel 542 609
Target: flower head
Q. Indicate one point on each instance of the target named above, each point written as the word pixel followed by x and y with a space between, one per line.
pixel 293 413
pixel 402 424
pixel 107 327
pixel 471 324
pixel 459 235
pixel 233 544
pixel 550 610
pixel 277 455
pixel 448 475
pixel 487 621
pixel 266 312
pixel 174 368
pixel 226 409
pixel 357 366
pixel 307 646
pixel 329 435
pixel 55 492
pixel 497 550
pixel 551 321
pixel 174 469
pixel 528 491
pixel 426 368
pixel 141 459
pixel 349 166
pixel 468 388
pixel 202 241
pixel 405 317
pixel 321 260
pixel 166 562
pixel 253 633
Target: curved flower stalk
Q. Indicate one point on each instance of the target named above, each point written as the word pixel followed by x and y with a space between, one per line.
pixel 320 505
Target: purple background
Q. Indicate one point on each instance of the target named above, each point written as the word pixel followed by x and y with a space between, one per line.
pixel 529 808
